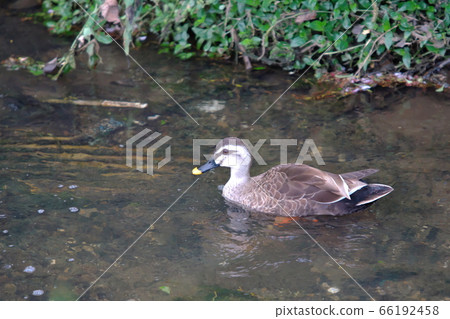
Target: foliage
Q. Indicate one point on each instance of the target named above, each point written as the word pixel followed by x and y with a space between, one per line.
pixel 345 35
pixel 27 63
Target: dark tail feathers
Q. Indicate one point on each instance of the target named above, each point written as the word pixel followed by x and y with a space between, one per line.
pixel 370 193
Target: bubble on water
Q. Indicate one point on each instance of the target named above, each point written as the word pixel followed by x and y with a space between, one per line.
pixel 10 246
pixel 71 259
pixel 29 269
pixel 5 231
pixel 60 186
pixel 41 211
pixel 7 266
pixel 38 292
pixel 2 216
pixel 73 186
pixel 73 209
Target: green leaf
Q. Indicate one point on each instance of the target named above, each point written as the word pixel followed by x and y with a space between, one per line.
pixel 90 49
pixel 103 38
pixel 388 37
pixel 408 6
pixel 406 58
pixel 310 4
pixel 87 32
pixel 36 71
pixel 361 37
pixel 297 42
pixel 441 89
pixel 253 3
pixel 308 60
pixel 200 21
pixel 317 25
pixel 181 47
pixel 406 35
pixel 93 61
pixel 346 23
pixel 241 6
pixel 267 3
pixel 127 37
pixel 165 289
pixel 185 55
pixel 163 50
pixel 386 23
pixel 381 49
pixel 341 44
pixel 128 3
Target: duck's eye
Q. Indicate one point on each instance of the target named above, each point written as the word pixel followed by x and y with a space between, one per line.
pixel 225 151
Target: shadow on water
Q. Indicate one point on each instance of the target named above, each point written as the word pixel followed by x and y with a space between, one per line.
pixel 69 206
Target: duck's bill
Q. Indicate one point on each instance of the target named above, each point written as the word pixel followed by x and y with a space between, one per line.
pixel 204 168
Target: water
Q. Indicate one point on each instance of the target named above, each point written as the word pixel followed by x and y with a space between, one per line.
pixel 56 157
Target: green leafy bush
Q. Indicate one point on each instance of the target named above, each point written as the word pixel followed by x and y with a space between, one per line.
pixel 348 35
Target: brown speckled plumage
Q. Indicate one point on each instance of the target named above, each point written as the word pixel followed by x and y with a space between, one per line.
pixel 291 189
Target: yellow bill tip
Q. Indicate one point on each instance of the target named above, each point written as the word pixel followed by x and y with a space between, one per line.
pixel 196 171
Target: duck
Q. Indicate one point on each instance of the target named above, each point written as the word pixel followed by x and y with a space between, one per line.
pixel 290 190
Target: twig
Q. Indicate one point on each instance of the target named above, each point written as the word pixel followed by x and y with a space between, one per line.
pixel 263 42
pixel 240 47
pixel 372 49
pixel 439 66
pixel 340 51
pixel 104 103
pixel 249 17
pixel 227 12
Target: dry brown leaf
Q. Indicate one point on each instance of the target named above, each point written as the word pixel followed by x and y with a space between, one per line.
pixel 110 11
pixel 306 16
pixel 357 29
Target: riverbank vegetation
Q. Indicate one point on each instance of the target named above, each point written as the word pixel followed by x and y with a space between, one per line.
pixel 356 37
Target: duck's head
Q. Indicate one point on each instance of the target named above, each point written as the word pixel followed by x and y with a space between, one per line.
pixel 230 152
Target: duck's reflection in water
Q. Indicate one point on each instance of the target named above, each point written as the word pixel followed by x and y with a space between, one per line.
pixel 248 244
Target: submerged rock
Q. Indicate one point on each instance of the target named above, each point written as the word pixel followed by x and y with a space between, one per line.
pixel 29 269
pixel 211 106
pixel 38 292
pixel 333 290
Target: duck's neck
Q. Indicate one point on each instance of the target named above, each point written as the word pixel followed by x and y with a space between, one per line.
pixel 239 176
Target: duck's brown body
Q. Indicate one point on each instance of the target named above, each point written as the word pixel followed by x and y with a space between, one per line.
pixel 291 189
pixel 281 192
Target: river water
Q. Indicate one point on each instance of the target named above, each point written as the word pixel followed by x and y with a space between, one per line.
pixel 70 207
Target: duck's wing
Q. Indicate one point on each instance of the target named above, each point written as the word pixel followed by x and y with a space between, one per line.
pixel 295 182
pixel 359 174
